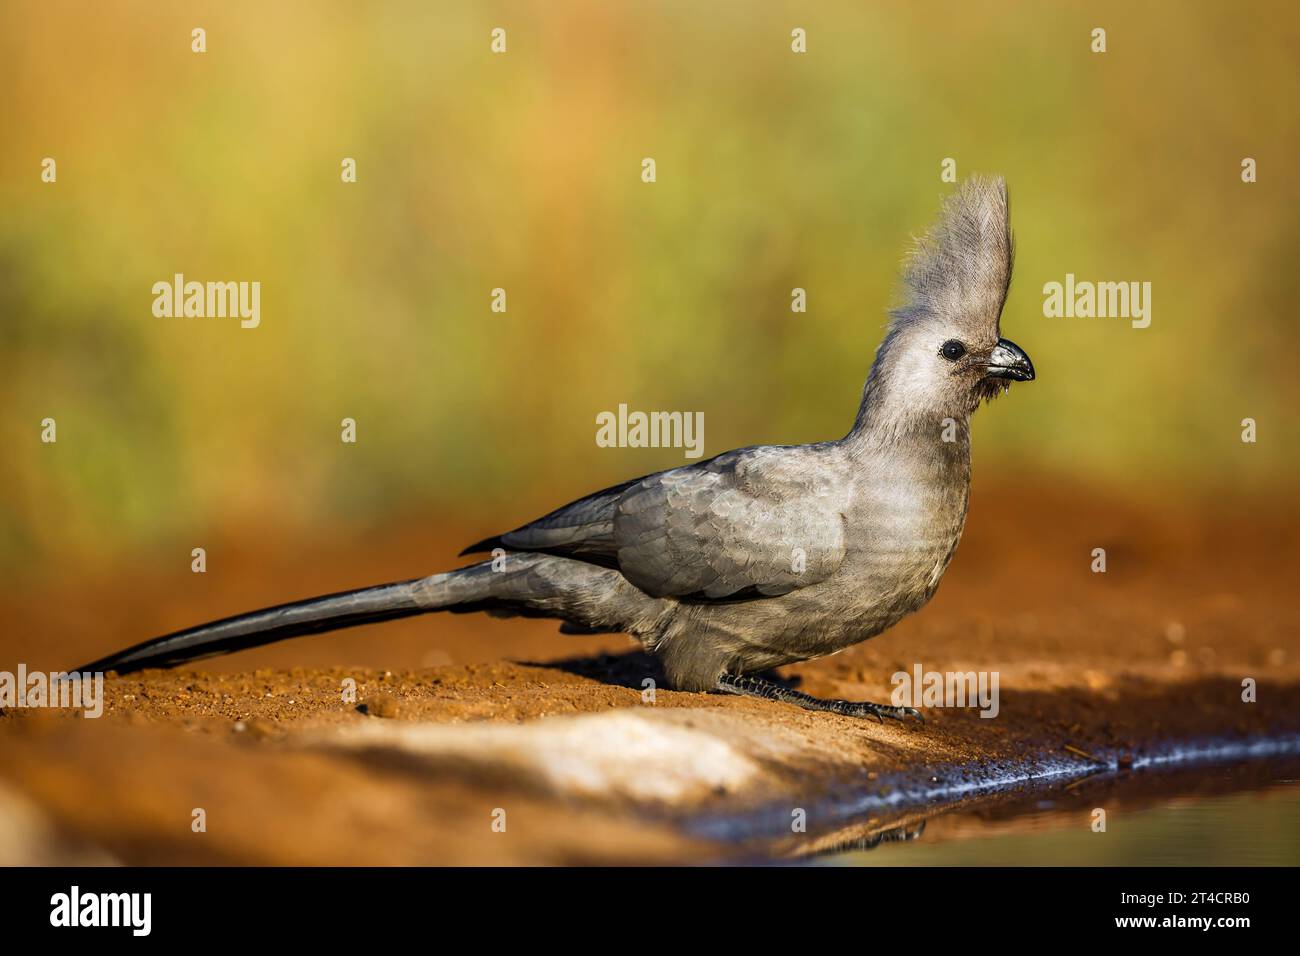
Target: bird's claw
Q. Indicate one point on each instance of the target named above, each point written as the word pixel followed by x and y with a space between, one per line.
pixel 751 686
pixel 878 711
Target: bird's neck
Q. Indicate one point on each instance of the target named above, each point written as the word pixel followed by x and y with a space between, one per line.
pixel 886 426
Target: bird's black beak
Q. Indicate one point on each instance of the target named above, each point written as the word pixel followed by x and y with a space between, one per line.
pixel 1008 360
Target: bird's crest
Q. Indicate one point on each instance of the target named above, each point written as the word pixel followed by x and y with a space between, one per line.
pixel 959 271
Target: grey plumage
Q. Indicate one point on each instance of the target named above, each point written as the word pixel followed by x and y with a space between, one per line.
pixel 761 556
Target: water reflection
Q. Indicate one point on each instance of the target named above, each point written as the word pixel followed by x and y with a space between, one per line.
pixel 1229 816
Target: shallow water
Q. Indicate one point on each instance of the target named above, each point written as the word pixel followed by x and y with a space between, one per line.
pixel 1221 816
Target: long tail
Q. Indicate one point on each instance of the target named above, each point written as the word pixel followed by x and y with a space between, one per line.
pixel 332 612
pixel 589 598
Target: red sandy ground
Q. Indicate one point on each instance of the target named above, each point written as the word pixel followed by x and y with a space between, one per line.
pixel 1153 650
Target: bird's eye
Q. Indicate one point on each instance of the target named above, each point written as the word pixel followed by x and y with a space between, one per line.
pixel 952 350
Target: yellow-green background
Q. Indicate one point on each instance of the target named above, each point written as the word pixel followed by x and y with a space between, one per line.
pixel 522 170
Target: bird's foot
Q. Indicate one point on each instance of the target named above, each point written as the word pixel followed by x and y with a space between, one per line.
pixel 748 686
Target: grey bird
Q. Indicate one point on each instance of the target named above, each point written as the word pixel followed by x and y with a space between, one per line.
pixel 762 556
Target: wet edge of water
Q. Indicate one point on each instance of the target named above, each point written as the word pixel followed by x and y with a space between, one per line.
pixel 943 786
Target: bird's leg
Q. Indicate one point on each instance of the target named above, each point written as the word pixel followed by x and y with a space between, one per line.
pixel 748 686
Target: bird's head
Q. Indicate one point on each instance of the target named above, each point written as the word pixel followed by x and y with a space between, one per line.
pixel 944 352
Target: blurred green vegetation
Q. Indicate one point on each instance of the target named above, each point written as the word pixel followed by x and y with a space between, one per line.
pixel 522 171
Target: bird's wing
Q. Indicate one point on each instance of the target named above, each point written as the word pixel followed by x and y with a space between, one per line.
pixel 582 528
pixel 759 521
pixel 762 520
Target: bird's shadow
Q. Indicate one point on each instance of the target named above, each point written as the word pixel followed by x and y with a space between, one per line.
pixel 630 669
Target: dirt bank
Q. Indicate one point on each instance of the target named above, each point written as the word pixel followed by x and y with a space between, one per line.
pixel 474 740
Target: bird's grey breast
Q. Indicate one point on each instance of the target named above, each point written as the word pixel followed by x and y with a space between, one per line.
pixel 902 518
pixel 904 523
